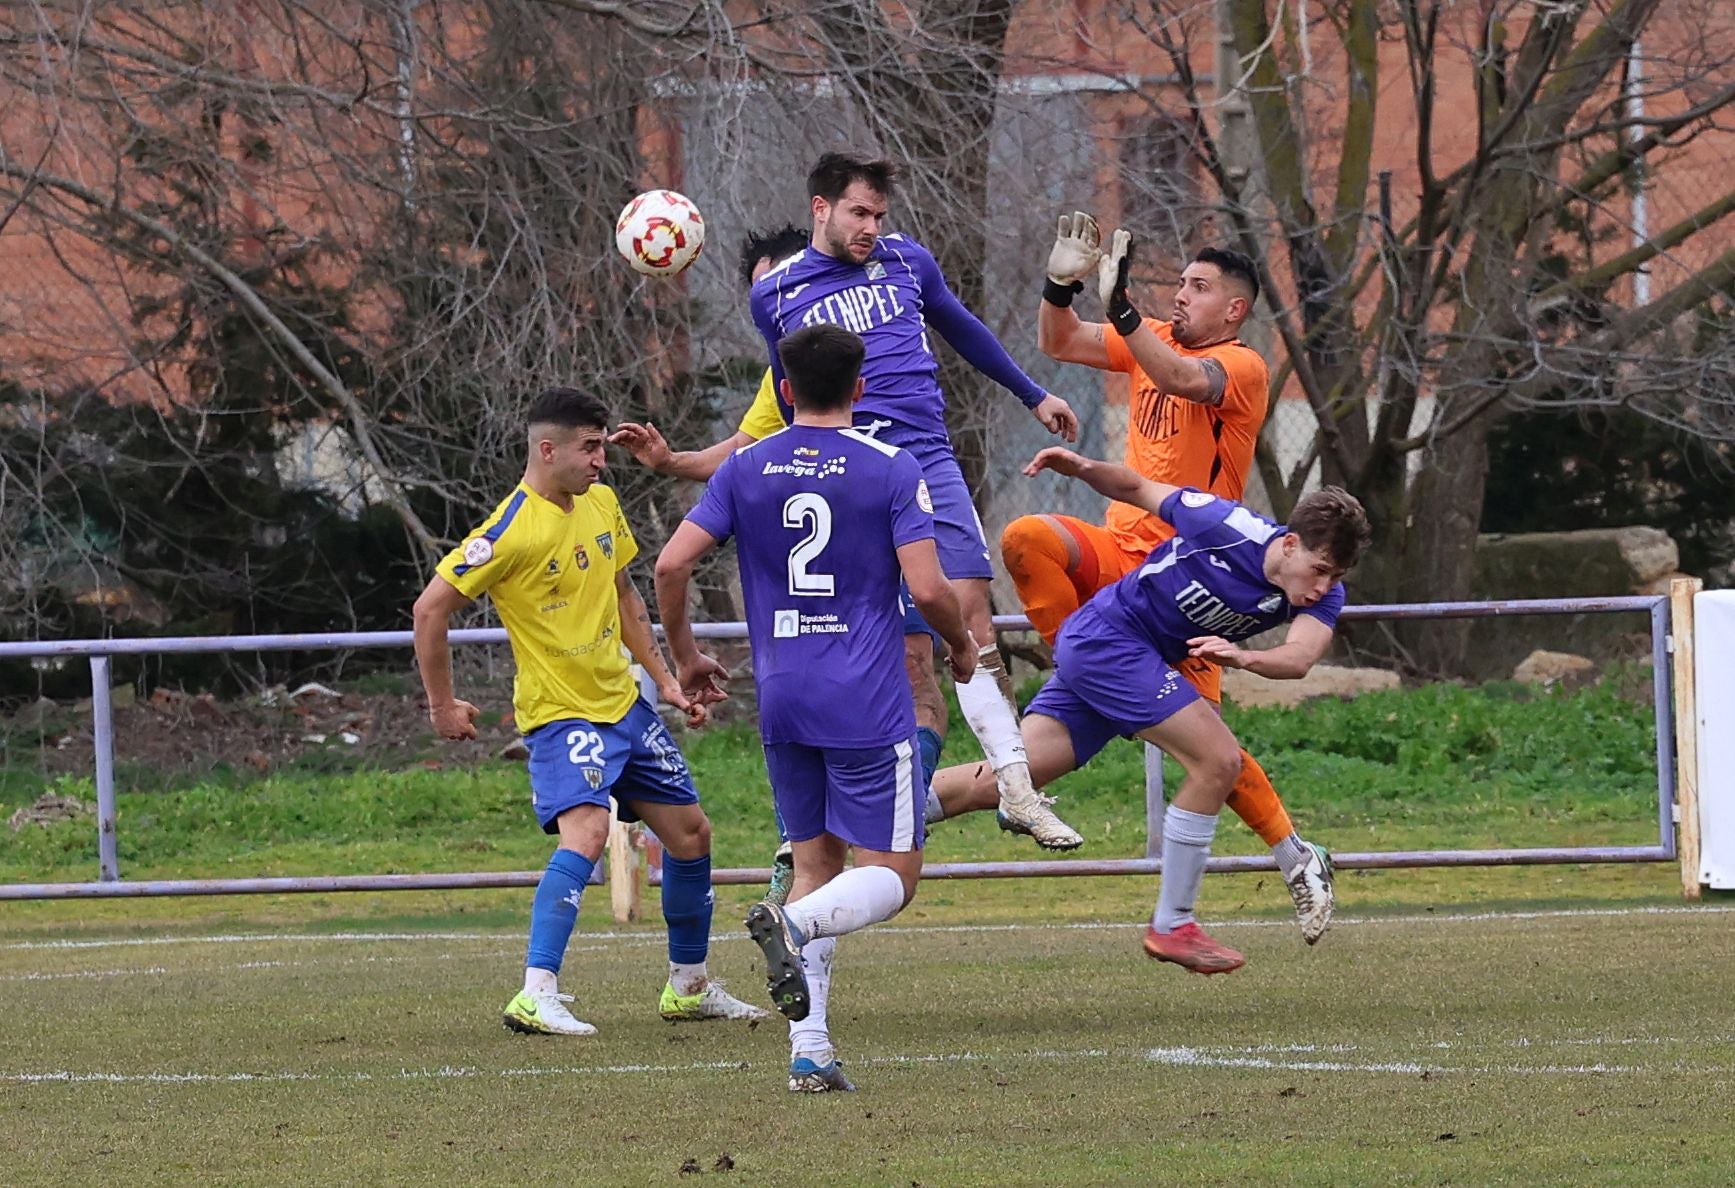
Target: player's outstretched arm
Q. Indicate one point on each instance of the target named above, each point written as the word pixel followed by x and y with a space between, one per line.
pixel 1303 646
pixel 981 350
pixel 699 676
pixel 647 444
pixel 1201 380
pixel 1060 333
pixel 641 641
pixel 938 602
pixel 439 601
pixel 1106 478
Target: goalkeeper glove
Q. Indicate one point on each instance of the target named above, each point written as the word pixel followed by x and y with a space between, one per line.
pixel 1073 257
pixel 1111 284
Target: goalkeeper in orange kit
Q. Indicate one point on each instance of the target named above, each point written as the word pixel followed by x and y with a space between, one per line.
pixel 1198 398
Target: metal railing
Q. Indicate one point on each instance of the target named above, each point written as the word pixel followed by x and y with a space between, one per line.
pixel 109 884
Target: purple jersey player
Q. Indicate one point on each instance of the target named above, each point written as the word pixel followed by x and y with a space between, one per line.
pixel 826 520
pixel 889 290
pixel 1227 574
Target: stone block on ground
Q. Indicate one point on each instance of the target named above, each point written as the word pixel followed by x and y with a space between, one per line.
pixel 1543 667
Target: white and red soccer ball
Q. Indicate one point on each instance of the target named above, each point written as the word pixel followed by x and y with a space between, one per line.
pixel 660 233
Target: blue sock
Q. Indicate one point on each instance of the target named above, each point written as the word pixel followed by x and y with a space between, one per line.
pixel 554 911
pixel 687 907
pixel 930 742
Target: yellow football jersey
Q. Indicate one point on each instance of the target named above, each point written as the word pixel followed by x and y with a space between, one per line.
pixel 762 417
pixel 551 574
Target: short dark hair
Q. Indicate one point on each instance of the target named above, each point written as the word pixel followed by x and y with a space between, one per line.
pixel 834 172
pixel 1332 523
pixel 821 363
pixel 1232 263
pixel 776 246
pixel 569 408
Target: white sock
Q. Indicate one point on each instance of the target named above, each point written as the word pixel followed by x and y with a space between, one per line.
pixel 858 897
pixel 935 810
pixel 688 979
pixel 812 1036
pixel 993 719
pixel 1186 847
pixel 1290 853
pixel 539 980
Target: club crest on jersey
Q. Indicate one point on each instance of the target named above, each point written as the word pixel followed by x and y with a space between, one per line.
pixel 581 557
pixel 593 776
pixel 605 542
pixel 1269 604
pixel 876 270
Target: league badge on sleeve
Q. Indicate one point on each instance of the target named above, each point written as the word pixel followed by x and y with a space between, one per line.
pixel 478 552
pixel 1197 498
pixel 924 500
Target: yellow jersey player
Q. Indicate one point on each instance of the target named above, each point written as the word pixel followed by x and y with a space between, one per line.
pixel 553 559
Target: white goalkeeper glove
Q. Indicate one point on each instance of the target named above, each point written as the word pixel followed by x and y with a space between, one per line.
pixel 1111 283
pixel 1075 252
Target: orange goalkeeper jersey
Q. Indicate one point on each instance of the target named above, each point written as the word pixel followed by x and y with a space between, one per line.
pixel 1179 441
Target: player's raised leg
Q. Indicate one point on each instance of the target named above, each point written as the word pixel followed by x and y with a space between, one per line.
pixel 992 711
pixel 1052 569
pixel 986 697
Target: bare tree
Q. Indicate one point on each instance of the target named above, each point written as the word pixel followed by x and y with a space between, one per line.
pixel 1509 281
pixel 389 222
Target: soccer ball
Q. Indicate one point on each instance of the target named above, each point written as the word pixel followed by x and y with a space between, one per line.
pixel 660 233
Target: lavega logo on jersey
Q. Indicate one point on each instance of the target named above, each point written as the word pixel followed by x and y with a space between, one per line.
pixel 807 465
pixel 859 308
pixel 1211 614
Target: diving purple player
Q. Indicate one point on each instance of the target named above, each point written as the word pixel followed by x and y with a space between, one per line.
pixel 1227 574
pixel 889 290
pixel 825 519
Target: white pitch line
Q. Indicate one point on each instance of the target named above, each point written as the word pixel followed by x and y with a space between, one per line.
pixel 85 973
pixel 1181 1057
pixel 646 937
pixel 1215 1058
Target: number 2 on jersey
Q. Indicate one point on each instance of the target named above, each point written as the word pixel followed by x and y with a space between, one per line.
pixel 810 511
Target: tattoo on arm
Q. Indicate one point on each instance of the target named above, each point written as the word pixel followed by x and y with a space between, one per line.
pixel 1096 333
pixel 1216 381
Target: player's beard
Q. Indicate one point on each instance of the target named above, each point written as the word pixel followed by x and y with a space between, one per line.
pixel 840 247
pixel 1189 335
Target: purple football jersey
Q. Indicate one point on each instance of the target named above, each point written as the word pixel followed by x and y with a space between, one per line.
pixel 1208 579
pixel 818 516
pixel 891 300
